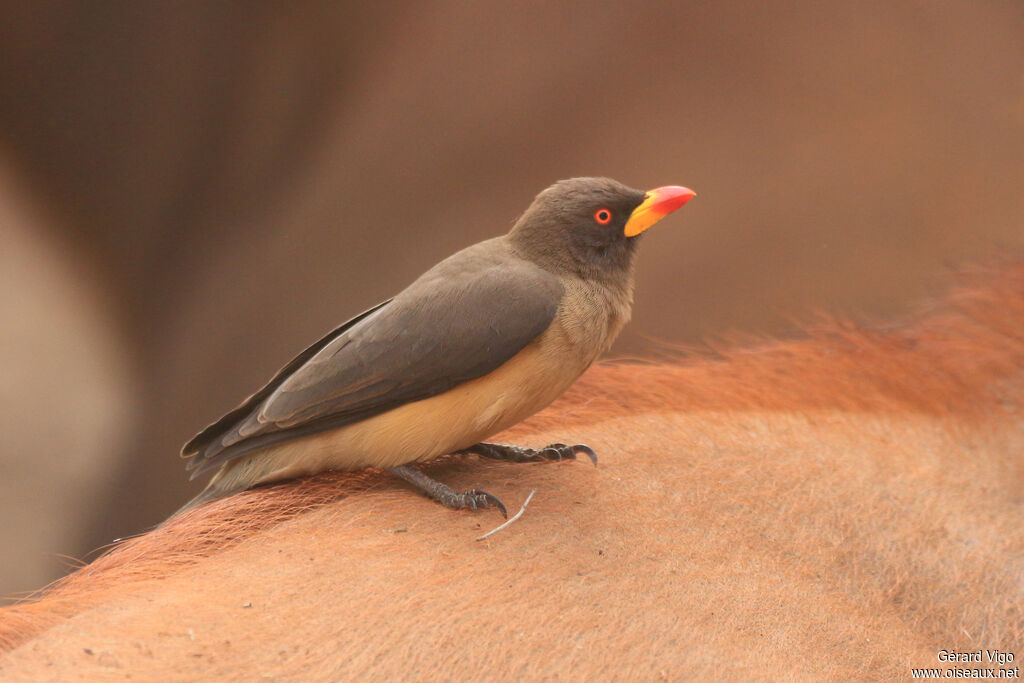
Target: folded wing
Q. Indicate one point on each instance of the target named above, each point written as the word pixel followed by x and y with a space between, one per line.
pixel 459 321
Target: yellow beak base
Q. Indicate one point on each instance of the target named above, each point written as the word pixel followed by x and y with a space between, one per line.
pixel 657 204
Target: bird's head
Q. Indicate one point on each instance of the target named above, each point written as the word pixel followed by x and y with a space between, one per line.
pixel 591 226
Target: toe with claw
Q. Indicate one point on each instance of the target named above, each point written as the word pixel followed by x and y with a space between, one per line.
pixel 555 451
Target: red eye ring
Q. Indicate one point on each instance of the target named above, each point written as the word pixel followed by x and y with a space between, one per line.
pixel 603 216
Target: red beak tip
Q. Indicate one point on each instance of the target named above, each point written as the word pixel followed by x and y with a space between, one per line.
pixel 672 197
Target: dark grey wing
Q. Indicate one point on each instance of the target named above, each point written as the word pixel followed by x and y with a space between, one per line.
pixel 218 428
pixel 459 321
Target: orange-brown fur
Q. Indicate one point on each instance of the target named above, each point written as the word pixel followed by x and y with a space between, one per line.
pixel 845 505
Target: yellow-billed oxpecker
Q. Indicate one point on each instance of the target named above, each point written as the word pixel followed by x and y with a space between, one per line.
pixel 479 342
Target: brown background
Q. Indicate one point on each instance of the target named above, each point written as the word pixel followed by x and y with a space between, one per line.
pixel 190 193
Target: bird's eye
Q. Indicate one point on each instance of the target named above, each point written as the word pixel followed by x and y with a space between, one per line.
pixel 603 216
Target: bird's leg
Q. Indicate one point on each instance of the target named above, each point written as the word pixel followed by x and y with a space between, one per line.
pixel 555 451
pixel 472 499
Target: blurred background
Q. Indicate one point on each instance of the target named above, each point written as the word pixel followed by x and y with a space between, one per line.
pixel 190 193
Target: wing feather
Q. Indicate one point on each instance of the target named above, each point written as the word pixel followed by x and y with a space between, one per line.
pixel 217 429
pixel 459 321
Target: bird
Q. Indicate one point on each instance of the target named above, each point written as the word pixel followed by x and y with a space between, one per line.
pixel 481 341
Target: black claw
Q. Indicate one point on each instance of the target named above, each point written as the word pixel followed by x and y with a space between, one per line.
pixel 475 497
pixel 584 448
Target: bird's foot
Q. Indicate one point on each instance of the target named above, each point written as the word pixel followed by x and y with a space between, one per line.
pixel 555 451
pixel 472 499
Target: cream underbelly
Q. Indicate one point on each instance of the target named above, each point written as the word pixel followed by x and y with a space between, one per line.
pixel 419 431
pixel 587 321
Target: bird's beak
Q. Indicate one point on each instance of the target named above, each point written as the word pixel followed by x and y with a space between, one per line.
pixel 657 204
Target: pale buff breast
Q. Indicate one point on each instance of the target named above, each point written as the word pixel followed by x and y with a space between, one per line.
pixel 584 327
